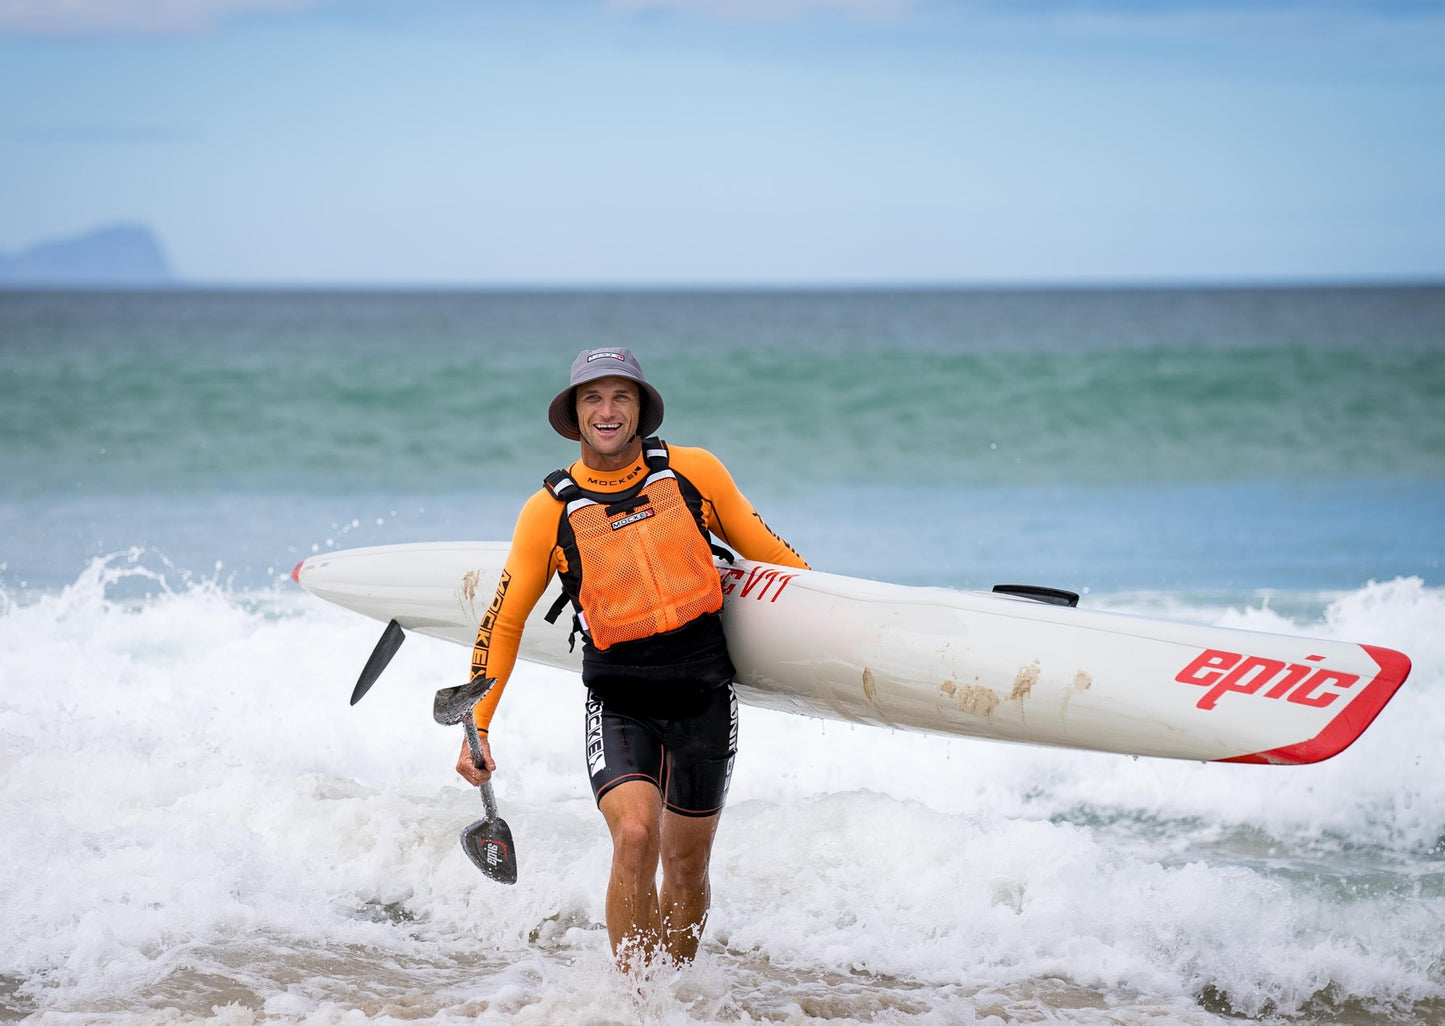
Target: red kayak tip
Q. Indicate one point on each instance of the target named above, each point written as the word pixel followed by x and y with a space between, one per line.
pixel 296 572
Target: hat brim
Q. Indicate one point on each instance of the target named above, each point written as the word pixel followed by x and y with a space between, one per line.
pixel 562 412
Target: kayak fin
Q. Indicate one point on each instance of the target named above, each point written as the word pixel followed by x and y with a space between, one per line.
pixel 391 640
pixel 1052 596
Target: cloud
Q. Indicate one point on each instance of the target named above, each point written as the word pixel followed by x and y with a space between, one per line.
pixel 124 17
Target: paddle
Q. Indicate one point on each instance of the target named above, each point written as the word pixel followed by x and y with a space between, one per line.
pixel 488 841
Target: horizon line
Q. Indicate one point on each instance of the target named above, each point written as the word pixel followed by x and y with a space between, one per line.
pixel 924 285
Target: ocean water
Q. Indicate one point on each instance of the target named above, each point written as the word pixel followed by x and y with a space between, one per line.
pixel 195 827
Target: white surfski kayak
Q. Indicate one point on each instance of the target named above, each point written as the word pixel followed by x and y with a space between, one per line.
pixel 944 661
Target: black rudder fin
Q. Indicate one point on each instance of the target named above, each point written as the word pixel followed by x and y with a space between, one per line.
pixel 1053 596
pixel 391 640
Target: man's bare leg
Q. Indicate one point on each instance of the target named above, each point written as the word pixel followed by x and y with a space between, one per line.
pixel 686 893
pixel 634 816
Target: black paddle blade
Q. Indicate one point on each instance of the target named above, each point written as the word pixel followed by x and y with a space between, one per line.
pixel 391 640
pixel 488 843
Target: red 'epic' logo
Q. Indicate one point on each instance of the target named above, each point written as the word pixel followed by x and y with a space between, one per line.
pixel 1222 672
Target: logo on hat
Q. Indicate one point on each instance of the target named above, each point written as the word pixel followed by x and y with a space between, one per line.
pixel 606 356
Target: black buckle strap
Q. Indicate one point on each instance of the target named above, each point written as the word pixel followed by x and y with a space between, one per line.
pixel 556 611
pixel 557 607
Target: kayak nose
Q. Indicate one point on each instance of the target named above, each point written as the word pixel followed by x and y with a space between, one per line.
pixel 296 571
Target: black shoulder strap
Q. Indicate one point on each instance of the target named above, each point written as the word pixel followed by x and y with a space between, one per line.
pixel 654 451
pixel 560 486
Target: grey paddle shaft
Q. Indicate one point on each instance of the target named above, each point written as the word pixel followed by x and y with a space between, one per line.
pixel 474 742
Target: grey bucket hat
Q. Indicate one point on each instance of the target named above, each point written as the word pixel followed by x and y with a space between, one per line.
pixel 590 365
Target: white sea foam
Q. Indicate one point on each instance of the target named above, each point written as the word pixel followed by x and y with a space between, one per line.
pixel 195 826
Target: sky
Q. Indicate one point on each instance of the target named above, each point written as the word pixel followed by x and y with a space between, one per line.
pixel 732 142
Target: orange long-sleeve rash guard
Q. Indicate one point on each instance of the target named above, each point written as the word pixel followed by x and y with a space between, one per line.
pixel 535 555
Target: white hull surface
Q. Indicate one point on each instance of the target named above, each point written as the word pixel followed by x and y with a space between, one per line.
pixel 944 661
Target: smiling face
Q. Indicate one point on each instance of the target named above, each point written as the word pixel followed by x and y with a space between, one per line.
pixel 608 411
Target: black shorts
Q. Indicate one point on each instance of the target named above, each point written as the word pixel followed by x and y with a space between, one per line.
pixel 687 757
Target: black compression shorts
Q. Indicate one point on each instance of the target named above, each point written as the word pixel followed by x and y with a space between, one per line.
pixel 688 757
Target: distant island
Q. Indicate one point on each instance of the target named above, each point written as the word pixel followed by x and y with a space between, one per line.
pixel 122 254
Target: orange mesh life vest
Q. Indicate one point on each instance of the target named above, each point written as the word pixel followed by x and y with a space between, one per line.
pixel 639 563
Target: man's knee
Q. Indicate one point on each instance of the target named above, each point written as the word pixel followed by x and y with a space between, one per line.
pixel 688 873
pixel 687 865
pixel 634 846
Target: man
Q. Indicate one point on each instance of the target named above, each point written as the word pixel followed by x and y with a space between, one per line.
pixel 627 529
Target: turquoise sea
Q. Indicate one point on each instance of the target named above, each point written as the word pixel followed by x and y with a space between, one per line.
pixel 195 827
pixel 1231 440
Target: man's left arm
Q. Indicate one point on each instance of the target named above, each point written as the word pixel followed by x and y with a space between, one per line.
pixel 728 513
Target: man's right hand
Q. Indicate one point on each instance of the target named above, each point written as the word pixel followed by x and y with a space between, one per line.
pixel 474 775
